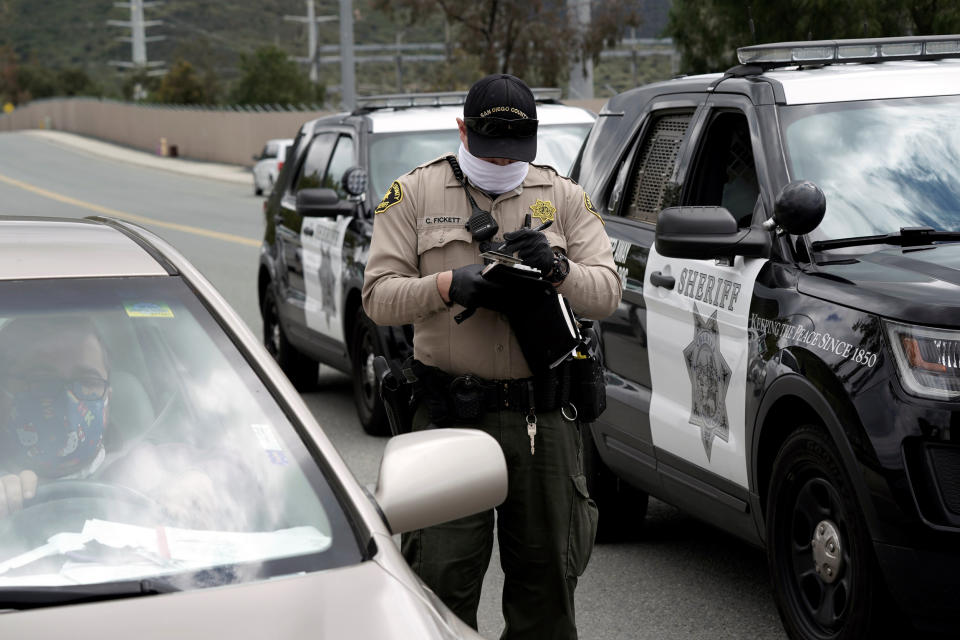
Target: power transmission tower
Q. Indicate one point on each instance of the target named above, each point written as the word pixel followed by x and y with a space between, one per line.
pixel 311 20
pixel 581 72
pixel 138 41
pixel 348 81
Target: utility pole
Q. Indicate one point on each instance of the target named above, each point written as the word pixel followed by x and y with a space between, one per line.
pixel 138 40
pixel 581 73
pixel 348 82
pixel 311 20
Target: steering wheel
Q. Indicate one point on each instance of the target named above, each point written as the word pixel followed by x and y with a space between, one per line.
pixel 71 489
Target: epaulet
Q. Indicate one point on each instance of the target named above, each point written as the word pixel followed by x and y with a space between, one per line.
pixel 442 158
pixel 550 169
pixel 545 167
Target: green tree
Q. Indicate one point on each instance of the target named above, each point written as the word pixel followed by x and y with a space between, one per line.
pixel 532 39
pixel 75 82
pixel 708 32
pixel 268 76
pixel 182 85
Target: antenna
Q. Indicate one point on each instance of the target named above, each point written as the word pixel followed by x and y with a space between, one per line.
pixel 753 28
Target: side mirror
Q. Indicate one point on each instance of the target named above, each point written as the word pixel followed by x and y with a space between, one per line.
pixel 704 233
pixel 354 181
pixel 317 202
pixel 799 208
pixel 256 158
pixel 438 475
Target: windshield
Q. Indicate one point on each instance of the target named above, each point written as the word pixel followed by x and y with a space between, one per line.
pixel 155 449
pixel 882 164
pixel 394 154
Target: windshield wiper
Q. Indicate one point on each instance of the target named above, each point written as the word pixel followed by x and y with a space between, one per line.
pixel 906 237
pixel 36 597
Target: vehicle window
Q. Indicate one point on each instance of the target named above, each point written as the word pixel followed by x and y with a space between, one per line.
pixel 725 174
pixel 655 166
pixel 341 160
pixel 394 154
pixel 314 165
pixel 882 164
pixel 558 145
pixel 159 451
pixel 270 151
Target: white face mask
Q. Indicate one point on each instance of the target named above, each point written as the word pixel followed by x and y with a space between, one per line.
pixel 492 178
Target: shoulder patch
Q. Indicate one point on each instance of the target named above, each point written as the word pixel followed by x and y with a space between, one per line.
pixel 588 204
pixel 393 196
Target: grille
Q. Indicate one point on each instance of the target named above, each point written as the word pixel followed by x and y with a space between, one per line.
pixel 946 470
pixel 740 159
pixel 656 166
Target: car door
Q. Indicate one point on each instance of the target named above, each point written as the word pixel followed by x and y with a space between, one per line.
pixel 323 239
pixel 698 310
pixel 309 174
pixel 644 183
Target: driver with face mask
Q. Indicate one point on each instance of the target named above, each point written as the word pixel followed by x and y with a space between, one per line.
pixel 54 400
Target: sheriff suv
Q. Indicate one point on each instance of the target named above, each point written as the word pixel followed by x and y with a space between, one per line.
pixel 319 222
pixel 785 362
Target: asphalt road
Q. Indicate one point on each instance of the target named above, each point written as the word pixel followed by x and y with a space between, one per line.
pixel 681 579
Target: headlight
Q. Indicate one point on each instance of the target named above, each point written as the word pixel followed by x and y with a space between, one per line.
pixel 928 360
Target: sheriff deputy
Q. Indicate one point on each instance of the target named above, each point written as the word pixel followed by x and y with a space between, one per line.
pixel 424 268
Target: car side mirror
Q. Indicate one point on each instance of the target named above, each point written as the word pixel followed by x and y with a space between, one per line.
pixel 256 158
pixel 317 202
pixel 438 475
pixel 704 233
pixel 354 182
pixel 799 208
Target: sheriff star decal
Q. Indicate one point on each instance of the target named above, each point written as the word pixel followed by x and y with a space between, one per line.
pixel 543 210
pixel 393 196
pixel 709 379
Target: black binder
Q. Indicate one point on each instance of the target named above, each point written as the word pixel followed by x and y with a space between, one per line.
pixel 541 318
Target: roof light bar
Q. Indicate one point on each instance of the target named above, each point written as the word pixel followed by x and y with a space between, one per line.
pixel 788 54
pixel 444 98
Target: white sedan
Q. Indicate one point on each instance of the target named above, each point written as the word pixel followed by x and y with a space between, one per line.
pixel 161 478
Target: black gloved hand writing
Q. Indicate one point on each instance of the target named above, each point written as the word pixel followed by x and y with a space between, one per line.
pixel 532 247
pixel 470 289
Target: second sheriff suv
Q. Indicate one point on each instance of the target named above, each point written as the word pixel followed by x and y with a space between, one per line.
pixel 785 362
pixel 319 222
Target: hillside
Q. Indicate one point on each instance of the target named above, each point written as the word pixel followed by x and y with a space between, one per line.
pixel 210 34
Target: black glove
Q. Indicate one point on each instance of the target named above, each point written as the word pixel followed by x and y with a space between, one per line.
pixel 472 290
pixel 532 247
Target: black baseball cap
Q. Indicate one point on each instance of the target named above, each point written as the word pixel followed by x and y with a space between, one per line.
pixel 501 117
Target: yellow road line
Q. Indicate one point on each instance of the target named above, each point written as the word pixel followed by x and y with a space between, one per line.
pixel 107 211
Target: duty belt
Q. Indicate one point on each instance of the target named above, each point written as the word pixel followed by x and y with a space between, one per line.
pixel 466 397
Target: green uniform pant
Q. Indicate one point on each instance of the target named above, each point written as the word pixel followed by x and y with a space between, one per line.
pixel 545 531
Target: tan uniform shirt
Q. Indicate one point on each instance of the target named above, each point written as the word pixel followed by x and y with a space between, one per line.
pixel 419 232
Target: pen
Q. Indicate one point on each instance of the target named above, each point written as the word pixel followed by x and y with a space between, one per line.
pixel 526 223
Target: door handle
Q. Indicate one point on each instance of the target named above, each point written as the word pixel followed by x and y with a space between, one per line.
pixel 308 231
pixel 659 280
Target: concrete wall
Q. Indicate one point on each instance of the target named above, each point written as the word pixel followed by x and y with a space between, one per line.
pixel 216 136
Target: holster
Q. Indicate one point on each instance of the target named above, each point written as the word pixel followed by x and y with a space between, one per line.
pixel 396 391
pixel 588 386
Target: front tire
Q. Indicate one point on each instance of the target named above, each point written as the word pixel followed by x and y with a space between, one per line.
pixel 826 581
pixel 301 369
pixel 622 508
pixel 364 347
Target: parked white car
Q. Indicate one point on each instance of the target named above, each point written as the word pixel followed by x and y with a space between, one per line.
pixel 268 164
